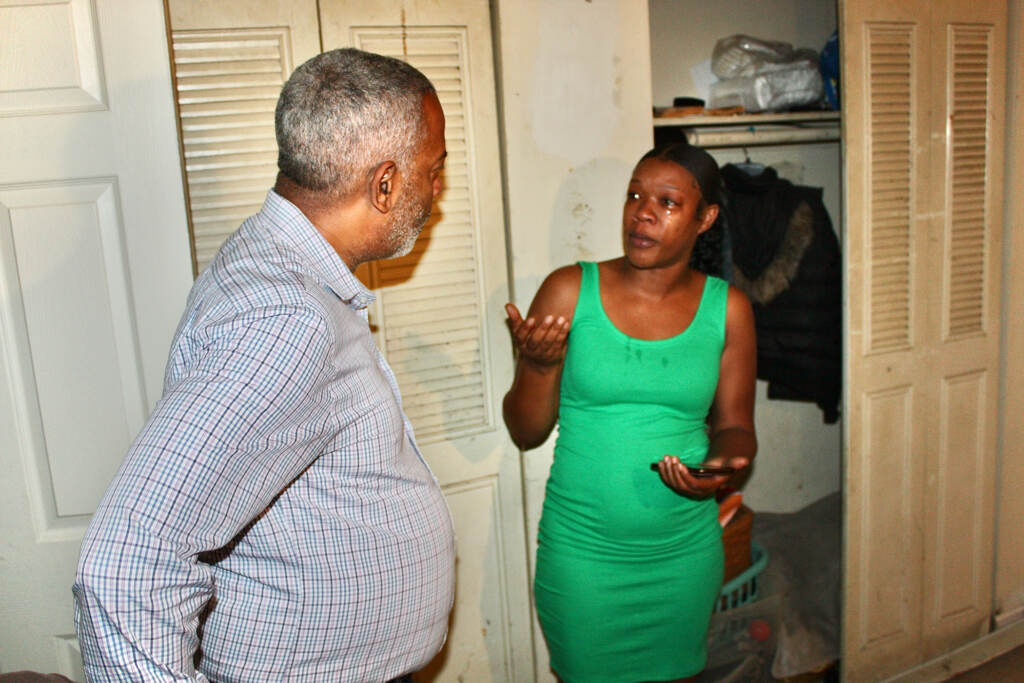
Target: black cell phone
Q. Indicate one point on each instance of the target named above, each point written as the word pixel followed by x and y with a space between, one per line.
pixel 703 470
pixel 709 471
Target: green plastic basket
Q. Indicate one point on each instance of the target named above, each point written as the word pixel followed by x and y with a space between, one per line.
pixel 743 588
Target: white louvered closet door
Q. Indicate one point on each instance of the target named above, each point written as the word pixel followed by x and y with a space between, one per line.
pixel 441 325
pixel 438 317
pixel 923 97
pixel 230 60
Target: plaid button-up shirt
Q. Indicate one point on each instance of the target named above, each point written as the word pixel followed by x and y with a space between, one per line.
pixel 274 514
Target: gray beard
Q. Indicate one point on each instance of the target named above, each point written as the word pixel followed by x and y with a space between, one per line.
pixel 407 223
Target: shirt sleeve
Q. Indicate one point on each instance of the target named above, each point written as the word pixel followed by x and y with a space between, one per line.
pixel 249 414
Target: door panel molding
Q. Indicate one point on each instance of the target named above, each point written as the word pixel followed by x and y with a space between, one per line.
pixel 55 58
pixel 887 612
pixel 79 405
pixel 960 474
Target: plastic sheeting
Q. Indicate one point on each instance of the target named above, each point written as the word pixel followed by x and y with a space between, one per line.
pixel 804 572
pixel 763 75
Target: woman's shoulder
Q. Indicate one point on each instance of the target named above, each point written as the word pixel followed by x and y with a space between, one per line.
pixel 736 296
pixel 558 292
pixel 738 311
pixel 569 273
pixel 722 289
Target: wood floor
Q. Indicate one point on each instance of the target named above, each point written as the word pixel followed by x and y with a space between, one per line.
pixel 1008 668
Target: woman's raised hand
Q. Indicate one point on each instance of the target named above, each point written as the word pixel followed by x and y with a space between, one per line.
pixel 542 343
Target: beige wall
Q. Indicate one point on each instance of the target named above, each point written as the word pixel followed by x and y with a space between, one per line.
pixel 575 98
pixel 799 456
pixel 1010 514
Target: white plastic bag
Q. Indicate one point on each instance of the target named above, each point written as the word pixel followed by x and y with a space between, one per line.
pixel 742 55
pixel 762 75
pixel 772 91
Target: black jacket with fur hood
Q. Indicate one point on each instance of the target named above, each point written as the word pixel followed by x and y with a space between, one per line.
pixel 786 257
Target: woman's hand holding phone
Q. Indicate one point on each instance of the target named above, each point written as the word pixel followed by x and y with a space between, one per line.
pixel 695 481
pixel 701 471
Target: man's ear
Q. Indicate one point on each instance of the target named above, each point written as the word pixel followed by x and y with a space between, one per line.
pixel 382 186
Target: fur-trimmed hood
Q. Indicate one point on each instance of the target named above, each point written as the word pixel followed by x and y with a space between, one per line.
pixel 776 277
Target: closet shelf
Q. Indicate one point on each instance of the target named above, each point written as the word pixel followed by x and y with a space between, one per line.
pixel 745 130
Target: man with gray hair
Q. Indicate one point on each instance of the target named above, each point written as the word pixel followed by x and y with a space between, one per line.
pixel 274 519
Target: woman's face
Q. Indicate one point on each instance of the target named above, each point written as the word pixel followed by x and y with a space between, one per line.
pixel 663 214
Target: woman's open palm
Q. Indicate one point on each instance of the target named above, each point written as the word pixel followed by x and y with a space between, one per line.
pixel 543 342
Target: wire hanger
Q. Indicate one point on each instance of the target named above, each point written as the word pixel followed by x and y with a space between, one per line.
pixel 749 167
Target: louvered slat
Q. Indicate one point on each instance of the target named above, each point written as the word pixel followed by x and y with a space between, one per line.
pixel 968 104
pixel 227 87
pixel 890 75
pixel 464 362
pixel 430 301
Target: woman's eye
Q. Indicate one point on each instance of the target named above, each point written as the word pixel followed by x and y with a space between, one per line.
pixel 632 195
pixel 668 202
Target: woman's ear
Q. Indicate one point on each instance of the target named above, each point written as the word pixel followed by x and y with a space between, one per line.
pixel 382 186
pixel 707 218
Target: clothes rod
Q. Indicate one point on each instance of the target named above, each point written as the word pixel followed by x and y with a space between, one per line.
pixel 754 136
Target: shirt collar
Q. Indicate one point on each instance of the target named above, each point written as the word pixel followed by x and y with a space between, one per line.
pixel 292 227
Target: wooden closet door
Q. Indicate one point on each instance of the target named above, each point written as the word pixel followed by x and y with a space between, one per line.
pixel 968 126
pixel 923 90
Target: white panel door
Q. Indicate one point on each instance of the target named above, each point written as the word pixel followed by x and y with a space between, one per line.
pixel 94 271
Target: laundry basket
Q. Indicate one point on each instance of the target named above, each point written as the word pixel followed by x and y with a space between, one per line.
pixel 736 542
pixel 743 588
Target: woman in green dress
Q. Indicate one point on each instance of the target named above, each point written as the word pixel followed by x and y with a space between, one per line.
pixel 644 362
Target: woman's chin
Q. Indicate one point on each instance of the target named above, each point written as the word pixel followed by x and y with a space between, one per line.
pixel 642 259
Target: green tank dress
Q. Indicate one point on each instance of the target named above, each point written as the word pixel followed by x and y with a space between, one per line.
pixel 628 570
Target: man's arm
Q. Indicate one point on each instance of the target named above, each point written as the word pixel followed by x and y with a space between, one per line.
pixel 249 415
